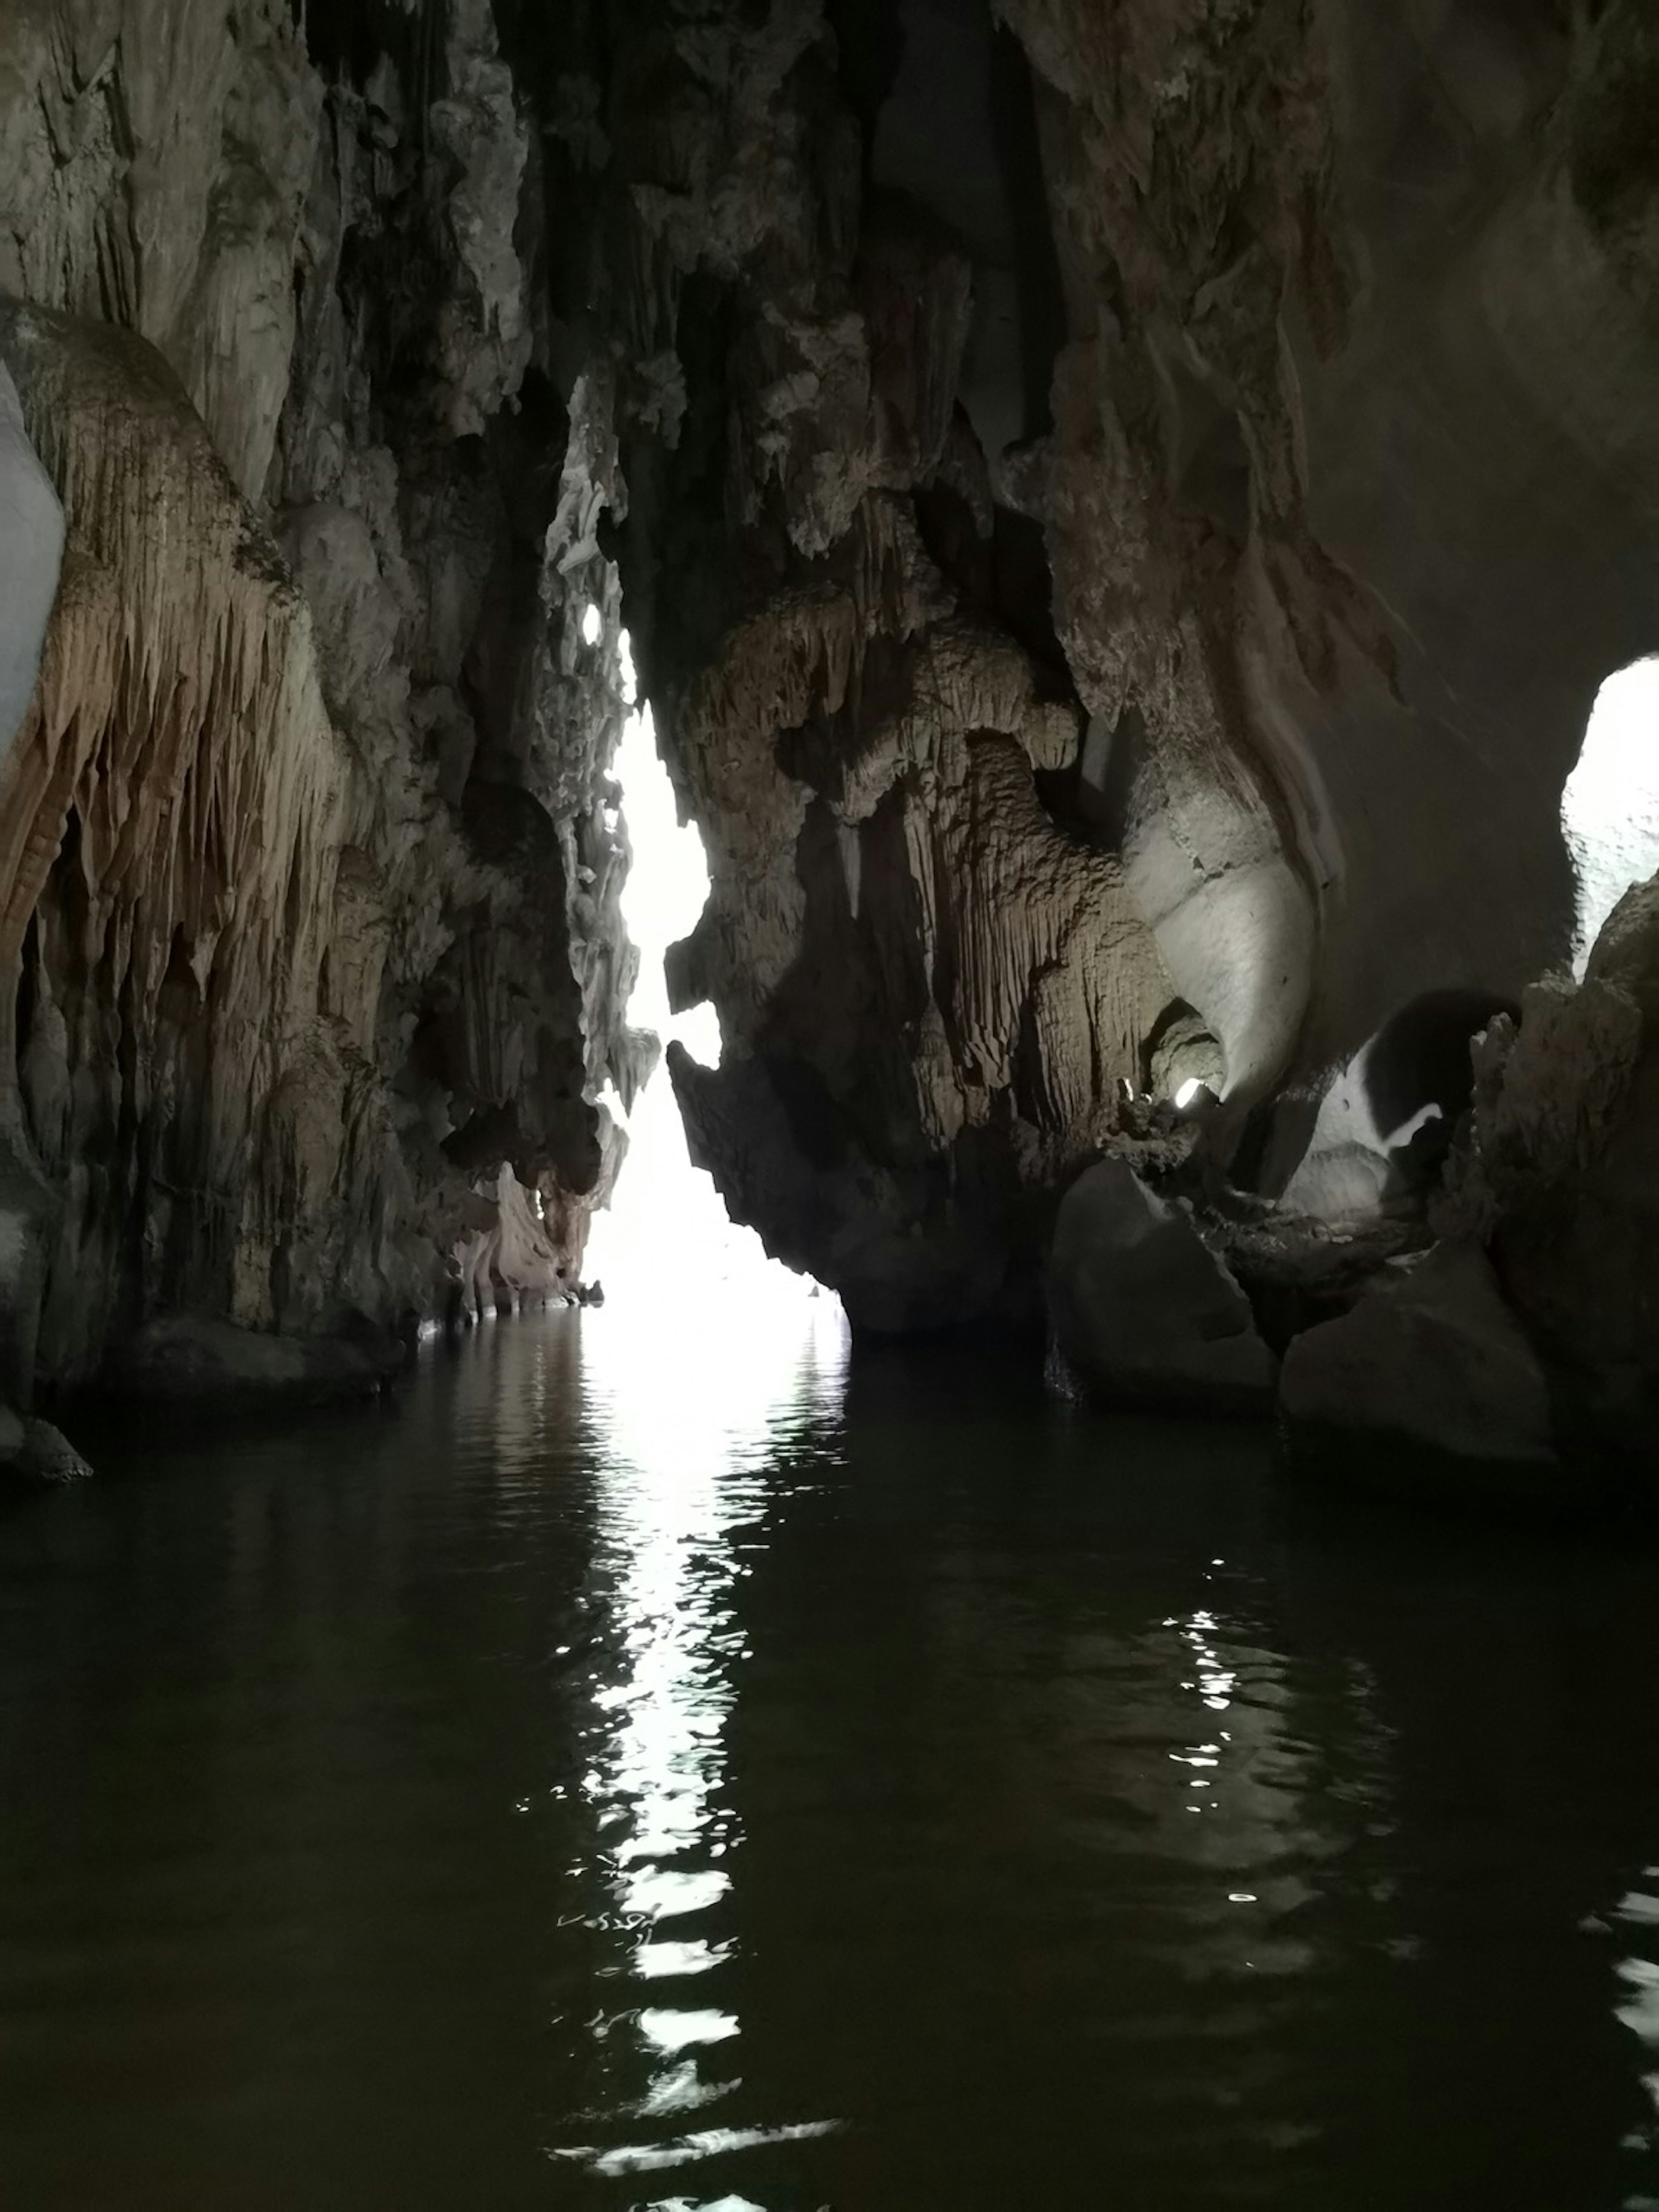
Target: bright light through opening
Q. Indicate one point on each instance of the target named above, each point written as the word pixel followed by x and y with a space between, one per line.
pixel 593 624
pixel 1188 1090
pixel 1610 804
pixel 666 1232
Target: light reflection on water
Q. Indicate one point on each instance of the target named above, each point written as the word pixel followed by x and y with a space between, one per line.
pixel 1638 2008
pixel 686 1469
pixel 668 1767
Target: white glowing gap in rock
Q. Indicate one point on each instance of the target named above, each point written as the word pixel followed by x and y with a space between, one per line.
pixel 1610 806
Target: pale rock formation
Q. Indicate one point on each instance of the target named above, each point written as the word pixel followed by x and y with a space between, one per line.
pixel 1185 1052
pixel 1143 1310
pixel 1430 1360
pixel 527 1247
pixel 170 818
pixel 31 550
pixel 931 983
pixel 154 160
pixel 1386 1121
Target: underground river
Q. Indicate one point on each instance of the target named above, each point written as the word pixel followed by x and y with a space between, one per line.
pixel 687 1768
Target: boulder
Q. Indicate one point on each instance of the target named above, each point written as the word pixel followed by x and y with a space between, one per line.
pixel 1556 1171
pixel 192 1361
pixel 47 1456
pixel 1143 1310
pixel 1431 1358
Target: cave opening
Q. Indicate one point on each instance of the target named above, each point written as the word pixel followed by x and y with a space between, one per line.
pixel 665 1234
pixel 1610 802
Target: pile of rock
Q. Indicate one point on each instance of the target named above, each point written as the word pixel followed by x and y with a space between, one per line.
pixel 1517 1330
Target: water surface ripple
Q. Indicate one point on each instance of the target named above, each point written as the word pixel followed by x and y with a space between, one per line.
pixel 660 1763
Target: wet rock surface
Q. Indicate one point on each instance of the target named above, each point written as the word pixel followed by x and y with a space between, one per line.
pixel 1529 1327
pixel 1143 1310
pixel 1555 1174
pixel 1430 1358
pixel 37 1454
pixel 195 1361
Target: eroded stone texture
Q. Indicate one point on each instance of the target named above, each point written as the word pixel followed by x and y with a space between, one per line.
pixel 1532 1324
pixel 1360 337
pixel 523 1255
pixel 1431 1358
pixel 1123 512
pixel 1143 1310
pixel 1332 347
pixel 314 862
pixel 31 550
pixel 1558 1174
pixel 932 977
pixel 154 162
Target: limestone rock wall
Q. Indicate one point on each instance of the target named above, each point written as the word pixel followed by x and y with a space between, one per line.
pixel 1553 1174
pixel 311 858
pixel 1123 511
pixel 31 552
pixel 933 978
pixel 1142 493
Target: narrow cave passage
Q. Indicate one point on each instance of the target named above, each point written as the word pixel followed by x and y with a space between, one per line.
pixel 666 1236
pixel 1125 509
pixel 1610 804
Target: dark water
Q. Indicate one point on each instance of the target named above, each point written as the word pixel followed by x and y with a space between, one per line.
pixel 667 1773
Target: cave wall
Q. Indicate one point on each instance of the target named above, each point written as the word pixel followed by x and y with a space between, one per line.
pixel 1122 512
pixel 932 979
pixel 313 864
pixel 1364 359
pixel 31 554
pixel 1180 542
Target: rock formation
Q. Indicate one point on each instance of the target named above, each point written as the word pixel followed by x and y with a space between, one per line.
pixel 31 550
pixel 1143 1310
pixel 1554 1175
pixel 1531 1331
pixel 1121 512
pixel 1430 1360
pixel 311 862
pixel 1133 578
